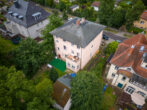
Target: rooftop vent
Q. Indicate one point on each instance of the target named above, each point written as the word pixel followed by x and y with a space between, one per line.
pixel 141 48
pixel 16 4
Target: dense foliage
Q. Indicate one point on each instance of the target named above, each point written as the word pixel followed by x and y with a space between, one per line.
pixel 111 48
pixel 30 56
pixel 86 92
pixel 53 74
pixel 19 93
pixel 6 47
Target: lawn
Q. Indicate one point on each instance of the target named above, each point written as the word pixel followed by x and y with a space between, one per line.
pixel 59 64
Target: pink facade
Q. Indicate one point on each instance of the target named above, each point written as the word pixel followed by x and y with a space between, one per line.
pixel 76 58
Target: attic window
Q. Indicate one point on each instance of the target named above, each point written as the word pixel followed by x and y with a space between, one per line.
pixel 37 15
pixel 15 14
pixel 20 17
pixel 10 12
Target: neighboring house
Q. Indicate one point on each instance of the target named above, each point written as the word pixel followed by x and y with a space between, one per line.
pixel 96 5
pixel 142 23
pixel 61 92
pixel 77 41
pixel 26 18
pixel 128 68
pixel 74 8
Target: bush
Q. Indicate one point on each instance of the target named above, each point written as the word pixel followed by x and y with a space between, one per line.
pixel 136 30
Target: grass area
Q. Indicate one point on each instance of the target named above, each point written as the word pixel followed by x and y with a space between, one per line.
pixel 127 35
pixel 109 99
pixel 59 64
pixel 111 30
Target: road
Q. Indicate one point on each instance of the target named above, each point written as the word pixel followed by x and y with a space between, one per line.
pixel 113 36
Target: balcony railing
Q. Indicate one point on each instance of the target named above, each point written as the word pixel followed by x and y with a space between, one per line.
pixel 144 87
pixel 73 58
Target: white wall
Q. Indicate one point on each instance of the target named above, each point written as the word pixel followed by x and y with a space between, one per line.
pixel 90 50
pixel 68 104
pixel 32 31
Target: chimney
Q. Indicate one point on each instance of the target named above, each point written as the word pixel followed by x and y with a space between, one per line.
pixel 82 20
pixel 16 3
pixel 78 22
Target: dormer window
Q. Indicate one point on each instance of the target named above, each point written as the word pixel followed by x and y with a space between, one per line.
pixel 37 15
pixel 129 69
pixel 20 17
pixel 10 12
pixel 15 14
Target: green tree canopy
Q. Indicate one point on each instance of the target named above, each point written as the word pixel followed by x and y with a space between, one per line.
pixel 54 22
pixel 29 57
pixel 105 11
pixel 134 12
pixel 53 74
pixel 19 93
pixel 6 47
pixel 86 92
pixel 111 48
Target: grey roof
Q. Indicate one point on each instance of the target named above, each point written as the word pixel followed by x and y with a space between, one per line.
pixel 26 9
pixel 74 6
pixel 66 80
pixel 80 35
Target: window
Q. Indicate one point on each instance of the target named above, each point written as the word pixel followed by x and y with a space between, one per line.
pixel 78 54
pixel 78 66
pixel 58 48
pixel 91 46
pixel 72 51
pixel 57 41
pixel 130 90
pixel 113 75
pixel 116 67
pixel 123 78
pixel 73 67
pixel 141 22
pixel 68 64
pixel 141 93
pixel 64 47
pixel 129 69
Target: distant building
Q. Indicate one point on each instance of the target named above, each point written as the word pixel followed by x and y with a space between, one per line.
pixel 77 41
pixel 142 22
pixel 26 18
pixel 96 5
pixel 61 93
pixel 74 7
pixel 128 69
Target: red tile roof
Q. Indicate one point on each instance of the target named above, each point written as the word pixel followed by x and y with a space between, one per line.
pixel 128 54
pixel 125 72
pixel 144 15
pixel 96 4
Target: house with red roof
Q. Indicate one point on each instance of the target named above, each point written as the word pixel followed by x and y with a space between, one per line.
pixel 96 5
pixel 142 22
pixel 128 70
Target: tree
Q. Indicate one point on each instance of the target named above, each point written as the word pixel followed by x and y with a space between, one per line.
pixel 19 93
pixel 6 47
pixel 134 13
pixel 53 74
pixel 49 3
pixel 54 22
pixel 117 19
pixel 86 92
pixel 105 11
pixel 62 6
pixel 145 2
pixel 29 57
pixel 111 48
pixel 65 17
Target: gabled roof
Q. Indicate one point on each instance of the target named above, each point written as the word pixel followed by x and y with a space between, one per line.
pixel 96 4
pixel 74 6
pixel 129 54
pixel 79 34
pixel 144 15
pixel 26 10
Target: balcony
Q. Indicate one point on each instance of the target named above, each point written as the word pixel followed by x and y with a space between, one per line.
pixel 73 58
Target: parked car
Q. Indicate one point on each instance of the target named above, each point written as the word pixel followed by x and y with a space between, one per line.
pixel 119 41
pixel 105 37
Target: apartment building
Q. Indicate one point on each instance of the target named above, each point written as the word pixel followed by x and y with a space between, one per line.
pixel 128 69
pixel 77 41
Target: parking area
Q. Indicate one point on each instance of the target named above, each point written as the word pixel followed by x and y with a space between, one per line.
pixel 109 37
